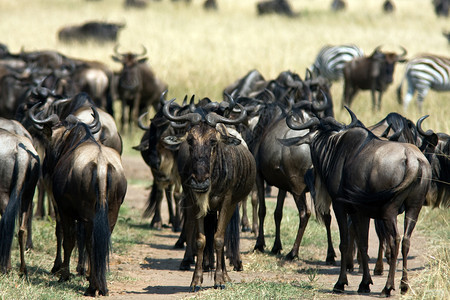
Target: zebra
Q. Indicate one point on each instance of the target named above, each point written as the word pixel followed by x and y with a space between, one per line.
pixel 423 73
pixel 331 60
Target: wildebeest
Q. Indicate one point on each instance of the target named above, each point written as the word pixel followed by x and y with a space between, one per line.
pixel 281 7
pixel 138 87
pixel 364 177
pixel 87 183
pixel 162 163
pixel 217 172
pixel 19 170
pixel 388 6
pixel 441 7
pixel 374 73
pixel 136 3
pixel 284 168
pixel 446 34
pixel 422 73
pixel 93 30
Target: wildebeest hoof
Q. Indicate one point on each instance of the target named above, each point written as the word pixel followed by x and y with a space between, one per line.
pixel 238 267
pixel 259 248
pixel 64 278
pixel 195 288
pixel 179 245
pixel 55 269
pixel 339 288
pixel 386 292
pixel 276 250
pixel 90 292
pixel 363 288
pixel 403 287
pixel 246 229
pixel 185 265
pixel 219 286
pixel 330 261
pixel 378 271
pixel 291 256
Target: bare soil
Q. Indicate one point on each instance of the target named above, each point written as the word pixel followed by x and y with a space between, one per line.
pixel 154 267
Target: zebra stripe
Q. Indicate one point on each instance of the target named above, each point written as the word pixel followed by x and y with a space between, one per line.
pixel 331 60
pixel 423 73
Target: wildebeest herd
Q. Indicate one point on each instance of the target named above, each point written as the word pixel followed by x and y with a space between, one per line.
pixel 59 135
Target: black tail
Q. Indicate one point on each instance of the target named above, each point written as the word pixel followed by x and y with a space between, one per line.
pixel 8 221
pixel 153 201
pixel 232 241
pixel 101 240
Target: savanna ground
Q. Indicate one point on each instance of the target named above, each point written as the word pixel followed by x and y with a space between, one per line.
pixel 198 52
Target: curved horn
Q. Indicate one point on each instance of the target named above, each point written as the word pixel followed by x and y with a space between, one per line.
pixel 213 118
pixel 95 126
pixel 144 51
pixel 354 118
pixel 295 126
pixel 161 98
pixel 403 55
pixel 141 124
pixel 377 49
pixel 324 105
pixel 429 132
pixel 53 119
pixel 191 117
pixel 116 50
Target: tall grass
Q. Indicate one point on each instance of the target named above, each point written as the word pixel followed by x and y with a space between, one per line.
pixel 199 52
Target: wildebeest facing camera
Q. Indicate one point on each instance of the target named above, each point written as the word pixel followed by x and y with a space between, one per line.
pixel 91 31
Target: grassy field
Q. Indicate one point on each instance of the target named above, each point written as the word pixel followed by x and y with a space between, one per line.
pixel 199 52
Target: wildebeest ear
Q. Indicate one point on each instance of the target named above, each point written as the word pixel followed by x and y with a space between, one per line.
pixel 116 59
pixel 142 146
pixel 173 142
pixel 226 137
pixel 142 60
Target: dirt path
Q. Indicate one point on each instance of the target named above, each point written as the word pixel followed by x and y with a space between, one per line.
pixel 154 266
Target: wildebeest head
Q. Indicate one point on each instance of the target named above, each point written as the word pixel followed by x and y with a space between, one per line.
pixel 53 129
pixel 384 64
pixel 129 76
pixel 206 136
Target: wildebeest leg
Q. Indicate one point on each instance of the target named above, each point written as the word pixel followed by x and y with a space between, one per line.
pixel 351 246
pixel 361 227
pixel 378 270
pixel 81 270
pixel 174 216
pixel 221 276
pixel 135 111
pixel 254 198
pixel 304 214
pixel 23 221
pixel 189 229
pixel 341 218
pixel 245 224
pixel 330 260
pixel 393 241
pixel 59 238
pixel 197 278
pixel 40 209
pixel 29 221
pixel 409 224
pixel 124 113
pixel 260 241
pixel 69 233
pixel 278 215
pixel 157 193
